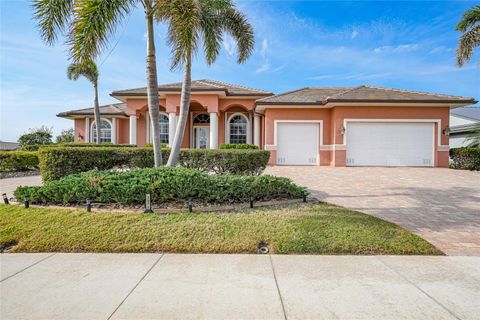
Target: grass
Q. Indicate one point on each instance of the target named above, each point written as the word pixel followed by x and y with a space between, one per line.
pixel 306 229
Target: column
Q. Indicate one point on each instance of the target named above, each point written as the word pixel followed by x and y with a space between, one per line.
pixel 213 130
pixel 256 130
pixel 87 129
pixel 133 129
pixel 172 127
pixel 114 130
pixel 249 128
pixel 147 127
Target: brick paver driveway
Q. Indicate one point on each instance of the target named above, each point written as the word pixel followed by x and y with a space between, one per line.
pixel 440 205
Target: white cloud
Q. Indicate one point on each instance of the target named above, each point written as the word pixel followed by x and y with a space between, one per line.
pixel 264 67
pixel 354 34
pixel 441 49
pixel 229 45
pixel 397 49
pixel 264 48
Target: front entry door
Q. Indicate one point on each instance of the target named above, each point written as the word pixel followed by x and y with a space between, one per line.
pixel 201 137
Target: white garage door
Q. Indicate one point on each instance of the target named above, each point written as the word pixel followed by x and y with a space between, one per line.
pixel 297 143
pixel 390 144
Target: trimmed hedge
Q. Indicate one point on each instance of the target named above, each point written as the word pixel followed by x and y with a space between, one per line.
pixel 18 160
pixel 57 162
pixel 465 158
pixel 89 145
pixel 164 184
pixel 238 146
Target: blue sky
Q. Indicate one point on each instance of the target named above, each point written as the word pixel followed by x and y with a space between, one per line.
pixel 409 45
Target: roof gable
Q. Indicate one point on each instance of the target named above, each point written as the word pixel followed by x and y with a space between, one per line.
pixel 199 85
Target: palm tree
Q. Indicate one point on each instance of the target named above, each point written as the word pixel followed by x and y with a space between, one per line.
pixel 90 24
pixel 470 26
pixel 205 21
pixel 88 70
pixel 474 139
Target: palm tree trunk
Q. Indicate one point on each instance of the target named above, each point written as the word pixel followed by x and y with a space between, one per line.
pixel 96 112
pixel 184 109
pixel 152 86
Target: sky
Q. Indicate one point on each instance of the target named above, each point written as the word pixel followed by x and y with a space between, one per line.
pixel 400 44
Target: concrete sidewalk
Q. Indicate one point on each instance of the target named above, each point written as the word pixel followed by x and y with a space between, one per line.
pixel 174 286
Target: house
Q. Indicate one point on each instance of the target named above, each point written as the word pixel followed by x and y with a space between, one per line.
pixel 9 146
pixel 463 122
pixel 341 126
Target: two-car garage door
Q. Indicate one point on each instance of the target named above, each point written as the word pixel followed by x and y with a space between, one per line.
pixel 367 143
pixel 390 144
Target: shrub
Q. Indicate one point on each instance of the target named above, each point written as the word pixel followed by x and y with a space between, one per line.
pixel 34 137
pixel 164 184
pixel 163 145
pixel 18 160
pixel 66 136
pixel 465 158
pixel 238 146
pixel 57 162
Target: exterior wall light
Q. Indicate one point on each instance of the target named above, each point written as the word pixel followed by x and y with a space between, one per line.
pixel 446 131
pixel 342 131
pixel 80 137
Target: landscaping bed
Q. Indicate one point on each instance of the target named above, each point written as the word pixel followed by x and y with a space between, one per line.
pixel 304 229
pixel 164 185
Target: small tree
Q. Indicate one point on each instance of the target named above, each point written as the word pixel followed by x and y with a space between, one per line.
pixel 66 136
pixel 37 136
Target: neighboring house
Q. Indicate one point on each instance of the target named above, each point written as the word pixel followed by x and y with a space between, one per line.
pixel 463 122
pixel 355 126
pixel 9 146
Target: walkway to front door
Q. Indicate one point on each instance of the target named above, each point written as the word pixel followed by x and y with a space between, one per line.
pixel 440 205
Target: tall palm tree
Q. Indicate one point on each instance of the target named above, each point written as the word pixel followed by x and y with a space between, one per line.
pixel 88 70
pixel 470 26
pixel 90 24
pixel 201 22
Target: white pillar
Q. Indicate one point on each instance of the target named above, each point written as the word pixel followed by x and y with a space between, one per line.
pixel 256 130
pixel 87 129
pixel 172 127
pixel 133 129
pixel 249 129
pixel 213 130
pixel 114 130
pixel 147 127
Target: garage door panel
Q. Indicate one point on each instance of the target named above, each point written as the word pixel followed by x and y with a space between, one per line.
pixel 297 143
pixel 390 144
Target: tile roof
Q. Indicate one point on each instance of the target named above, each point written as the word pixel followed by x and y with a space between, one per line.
pixel 319 95
pixel 468 112
pixel 109 109
pixel 199 85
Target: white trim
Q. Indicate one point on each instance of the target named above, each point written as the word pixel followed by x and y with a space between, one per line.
pixel 114 131
pixel 132 129
pixel 87 129
pixel 256 130
pixel 213 130
pixel 227 127
pixel 92 133
pixel 437 121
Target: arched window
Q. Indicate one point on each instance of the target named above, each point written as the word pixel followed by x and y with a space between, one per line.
pixel 105 131
pixel 238 129
pixel 163 128
pixel 201 118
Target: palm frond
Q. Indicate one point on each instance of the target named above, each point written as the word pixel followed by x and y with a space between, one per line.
pixel 94 22
pixel 468 41
pixel 469 19
pixel 86 69
pixel 52 17
pixel 237 25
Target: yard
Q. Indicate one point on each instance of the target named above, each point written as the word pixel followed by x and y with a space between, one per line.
pixel 304 229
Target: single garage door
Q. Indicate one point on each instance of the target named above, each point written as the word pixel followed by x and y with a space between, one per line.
pixel 297 143
pixel 390 144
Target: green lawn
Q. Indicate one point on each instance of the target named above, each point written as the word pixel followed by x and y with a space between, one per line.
pixel 308 229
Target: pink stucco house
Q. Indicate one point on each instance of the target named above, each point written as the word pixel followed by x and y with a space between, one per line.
pixel 349 126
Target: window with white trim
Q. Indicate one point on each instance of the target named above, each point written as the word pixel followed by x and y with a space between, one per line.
pixel 105 131
pixel 164 128
pixel 238 125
